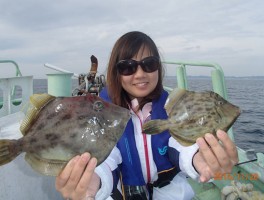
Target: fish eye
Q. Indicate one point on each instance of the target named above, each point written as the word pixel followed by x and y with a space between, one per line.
pixel 220 103
pixel 98 105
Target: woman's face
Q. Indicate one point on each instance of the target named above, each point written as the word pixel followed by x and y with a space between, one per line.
pixel 140 84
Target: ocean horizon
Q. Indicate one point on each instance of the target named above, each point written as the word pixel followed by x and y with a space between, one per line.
pixel 245 92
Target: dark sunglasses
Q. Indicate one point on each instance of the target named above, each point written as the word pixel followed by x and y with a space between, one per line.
pixel 129 67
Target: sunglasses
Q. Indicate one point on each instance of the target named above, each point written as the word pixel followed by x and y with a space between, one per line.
pixel 129 67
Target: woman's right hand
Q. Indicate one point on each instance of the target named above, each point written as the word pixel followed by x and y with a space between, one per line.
pixel 78 181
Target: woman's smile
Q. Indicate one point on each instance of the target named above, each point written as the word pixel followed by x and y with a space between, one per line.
pixel 141 85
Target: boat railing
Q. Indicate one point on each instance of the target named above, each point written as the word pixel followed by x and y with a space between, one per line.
pixel 14 90
pixel 255 166
pixel 18 72
pixel 217 74
pixel 217 77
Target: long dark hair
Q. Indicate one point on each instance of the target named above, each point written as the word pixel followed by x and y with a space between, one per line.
pixel 126 47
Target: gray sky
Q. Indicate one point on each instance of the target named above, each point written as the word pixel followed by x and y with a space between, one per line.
pixel 66 33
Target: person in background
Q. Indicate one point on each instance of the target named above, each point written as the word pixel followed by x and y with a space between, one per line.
pixel 143 166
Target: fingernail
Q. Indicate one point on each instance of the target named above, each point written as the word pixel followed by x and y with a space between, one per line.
pixel 199 141
pixel 93 162
pixel 85 157
pixel 220 133
pixel 208 136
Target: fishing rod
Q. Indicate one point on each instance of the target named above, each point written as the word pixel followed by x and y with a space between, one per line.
pixel 248 161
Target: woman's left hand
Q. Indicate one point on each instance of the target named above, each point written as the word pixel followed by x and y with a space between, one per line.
pixel 215 158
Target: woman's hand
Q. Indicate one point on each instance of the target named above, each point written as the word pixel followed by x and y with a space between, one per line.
pixel 214 157
pixel 78 181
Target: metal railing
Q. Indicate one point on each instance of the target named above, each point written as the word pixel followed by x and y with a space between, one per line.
pixel 217 77
pixel 18 72
pixel 10 102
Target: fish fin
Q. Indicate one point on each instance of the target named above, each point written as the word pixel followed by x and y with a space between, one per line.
pixel 173 97
pixel 183 140
pixel 45 166
pixel 8 152
pixel 37 102
pixel 155 126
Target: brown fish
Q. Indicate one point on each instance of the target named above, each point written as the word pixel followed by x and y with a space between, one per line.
pixel 193 114
pixel 56 129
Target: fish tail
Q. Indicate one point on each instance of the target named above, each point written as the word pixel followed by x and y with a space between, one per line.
pixel 155 126
pixel 8 151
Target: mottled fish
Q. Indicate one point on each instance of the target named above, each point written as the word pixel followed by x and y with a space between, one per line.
pixel 193 114
pixel 56 129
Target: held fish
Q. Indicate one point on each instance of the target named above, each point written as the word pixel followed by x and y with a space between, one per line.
pixel 56 129
pixel 193 114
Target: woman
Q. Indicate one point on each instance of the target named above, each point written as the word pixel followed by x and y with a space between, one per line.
pixel 143 166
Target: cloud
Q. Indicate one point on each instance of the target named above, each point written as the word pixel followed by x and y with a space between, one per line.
pixel 66 33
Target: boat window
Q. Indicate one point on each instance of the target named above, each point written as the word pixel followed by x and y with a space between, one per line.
pixel 16 95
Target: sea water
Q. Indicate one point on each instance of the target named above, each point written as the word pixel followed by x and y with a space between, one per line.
pixel 247 93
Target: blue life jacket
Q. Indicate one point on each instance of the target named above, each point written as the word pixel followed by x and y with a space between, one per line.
pixel 130 166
